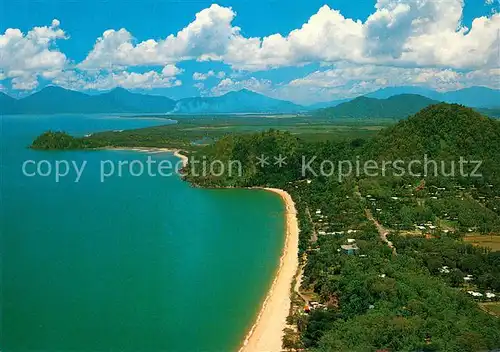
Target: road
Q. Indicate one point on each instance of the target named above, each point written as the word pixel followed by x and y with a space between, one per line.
pixel 381 230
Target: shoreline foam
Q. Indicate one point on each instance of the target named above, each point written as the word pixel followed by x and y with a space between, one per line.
pixel 267 331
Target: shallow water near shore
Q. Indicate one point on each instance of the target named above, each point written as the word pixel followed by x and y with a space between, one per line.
pixel 132 264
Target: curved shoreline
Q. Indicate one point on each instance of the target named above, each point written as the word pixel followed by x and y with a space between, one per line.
pixel 175 152
pixel 267 331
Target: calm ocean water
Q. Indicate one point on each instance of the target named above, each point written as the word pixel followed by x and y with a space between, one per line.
pixel 133 264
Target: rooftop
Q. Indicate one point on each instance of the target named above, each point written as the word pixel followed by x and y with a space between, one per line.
pixel 347 247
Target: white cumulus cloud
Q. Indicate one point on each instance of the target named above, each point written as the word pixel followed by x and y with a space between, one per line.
pixel 399 32
pixel 27 82
pixel 205 38
pixel 198 76
pixel 25 56
pixel 229 85
pixel 327 36
pixel 105 80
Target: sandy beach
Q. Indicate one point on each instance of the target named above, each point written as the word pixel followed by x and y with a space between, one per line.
pixel 176 152
pixel 184 158
pixel 267 332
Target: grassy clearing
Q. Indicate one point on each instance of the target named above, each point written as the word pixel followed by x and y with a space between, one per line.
pixel 448 224
pixel 492 307
pixel 490 241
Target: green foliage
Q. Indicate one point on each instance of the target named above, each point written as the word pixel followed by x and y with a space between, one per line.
pixel 461 258
pixel 442 132
pixel 61 141
pixel 245 151
pixel 405 309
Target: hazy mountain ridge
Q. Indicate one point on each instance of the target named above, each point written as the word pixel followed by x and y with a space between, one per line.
pixel 328 104
pixel 236 102
pixel 54 100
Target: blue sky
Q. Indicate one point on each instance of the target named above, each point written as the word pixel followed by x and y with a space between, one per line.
pixel 304 51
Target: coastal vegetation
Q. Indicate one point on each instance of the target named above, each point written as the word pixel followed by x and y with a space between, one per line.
pixel 194 133
pixel 387 264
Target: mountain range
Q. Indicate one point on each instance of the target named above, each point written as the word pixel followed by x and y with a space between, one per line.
pixel 398 106
pixel 54 100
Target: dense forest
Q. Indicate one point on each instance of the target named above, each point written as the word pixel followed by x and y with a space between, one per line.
pixel 415 299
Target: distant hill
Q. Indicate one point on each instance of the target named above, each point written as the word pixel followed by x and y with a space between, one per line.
pixel 242 101
pixel 388 92
pixel 495 113
pixel 399 106
pixel 56 100
pixel 477 97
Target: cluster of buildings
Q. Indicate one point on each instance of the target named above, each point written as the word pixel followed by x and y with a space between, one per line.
pixel 313 305
pixel 487 295
pixel 468 279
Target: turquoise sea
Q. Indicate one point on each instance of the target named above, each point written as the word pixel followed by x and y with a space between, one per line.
pixel 132 264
